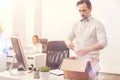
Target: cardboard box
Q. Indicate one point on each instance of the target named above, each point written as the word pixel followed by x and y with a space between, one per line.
pixel 75 69
pixel 37 60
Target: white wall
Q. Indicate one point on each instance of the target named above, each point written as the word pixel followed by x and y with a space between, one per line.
pixel 57 18
pixel 26 20
pixel 21 17
pixel 108 13
pixel 6 15
pixel 59 15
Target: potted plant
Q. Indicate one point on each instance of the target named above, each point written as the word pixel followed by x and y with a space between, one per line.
pixel 44 72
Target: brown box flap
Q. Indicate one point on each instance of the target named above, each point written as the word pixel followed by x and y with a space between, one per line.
pixel 73 65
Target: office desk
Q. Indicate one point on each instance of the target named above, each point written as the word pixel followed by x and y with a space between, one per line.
pixel 26 76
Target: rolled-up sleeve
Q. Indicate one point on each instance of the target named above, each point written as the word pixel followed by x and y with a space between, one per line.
pixel 101 35
pixel 70 36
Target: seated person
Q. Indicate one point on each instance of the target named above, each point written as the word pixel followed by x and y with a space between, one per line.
pixel 37 46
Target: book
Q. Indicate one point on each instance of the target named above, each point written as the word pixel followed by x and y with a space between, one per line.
pixel 57 72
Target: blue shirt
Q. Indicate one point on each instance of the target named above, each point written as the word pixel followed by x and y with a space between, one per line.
pixel 4 48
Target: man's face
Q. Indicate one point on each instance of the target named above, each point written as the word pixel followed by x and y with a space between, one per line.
pixel 84 10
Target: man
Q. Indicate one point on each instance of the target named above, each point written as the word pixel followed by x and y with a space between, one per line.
pixel 89 36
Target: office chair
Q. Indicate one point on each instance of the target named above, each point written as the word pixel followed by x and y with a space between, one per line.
pixel 44 42
pixel 56 51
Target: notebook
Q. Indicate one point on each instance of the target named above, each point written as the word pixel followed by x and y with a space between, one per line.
pixel 57 72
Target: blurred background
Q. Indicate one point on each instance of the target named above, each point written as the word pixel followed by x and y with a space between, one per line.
pixel 53 19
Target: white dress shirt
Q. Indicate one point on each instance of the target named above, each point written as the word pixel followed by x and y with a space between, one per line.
pixel 37 48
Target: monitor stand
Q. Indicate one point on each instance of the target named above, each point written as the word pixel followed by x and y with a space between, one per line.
pixel 19 71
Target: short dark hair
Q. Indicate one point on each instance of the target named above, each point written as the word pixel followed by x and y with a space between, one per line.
pixel 88 3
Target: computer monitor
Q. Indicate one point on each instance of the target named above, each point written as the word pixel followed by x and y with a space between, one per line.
pixel 19 53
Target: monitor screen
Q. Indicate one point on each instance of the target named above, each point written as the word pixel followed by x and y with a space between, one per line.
pixel 18 49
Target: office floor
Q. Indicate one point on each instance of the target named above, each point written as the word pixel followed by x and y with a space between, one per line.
pixel 108 76
pixel 102 76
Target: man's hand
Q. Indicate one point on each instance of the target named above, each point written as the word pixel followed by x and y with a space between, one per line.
pixel 84 51
pixel 70 46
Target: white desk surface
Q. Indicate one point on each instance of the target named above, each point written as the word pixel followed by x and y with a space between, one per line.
pixel 26 76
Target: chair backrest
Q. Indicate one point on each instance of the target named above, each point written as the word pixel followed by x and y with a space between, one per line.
pixel 44 42
pixel 56 51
